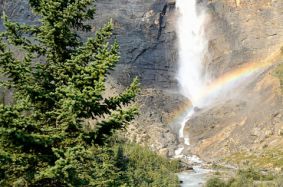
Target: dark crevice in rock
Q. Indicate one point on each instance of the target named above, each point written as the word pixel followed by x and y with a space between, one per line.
pixel 161 20
pixel 143 51
pixel 140 54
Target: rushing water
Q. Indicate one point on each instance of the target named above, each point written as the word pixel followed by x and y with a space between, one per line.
pixel 192 46
pixel 193 179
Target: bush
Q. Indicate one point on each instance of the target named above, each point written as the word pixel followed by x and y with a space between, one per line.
pixel 279 180
pixel 250 173
pixel 215 182
pixel 145 168
pixel 244 178
pixel 240 181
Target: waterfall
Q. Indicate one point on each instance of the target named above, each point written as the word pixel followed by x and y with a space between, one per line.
pixel 195 83
pixel 192 46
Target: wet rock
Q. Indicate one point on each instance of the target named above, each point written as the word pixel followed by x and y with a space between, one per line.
pixel 186 167
pixel 197 109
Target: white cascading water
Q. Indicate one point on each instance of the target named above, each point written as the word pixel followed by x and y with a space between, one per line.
pixel 192 46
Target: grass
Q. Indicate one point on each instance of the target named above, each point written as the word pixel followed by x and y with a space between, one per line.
pixel 267 159
pixel 261 169
pixel 248 177
pixel 278 72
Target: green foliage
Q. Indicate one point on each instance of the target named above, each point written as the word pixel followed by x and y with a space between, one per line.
pixel 266 158
pixel 58 84
pixel 145 168
pixel 234 182
pixel 278 72
pixel 279 179
pixel 248 177
pixel 215 182
pixel 250 173
pixel 240 181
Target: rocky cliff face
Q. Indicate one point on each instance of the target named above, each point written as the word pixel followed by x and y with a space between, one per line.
pixel 144 29
pixel 146 34
pixel 240 31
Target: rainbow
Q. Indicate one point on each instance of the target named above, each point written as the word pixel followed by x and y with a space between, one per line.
pixel 229 78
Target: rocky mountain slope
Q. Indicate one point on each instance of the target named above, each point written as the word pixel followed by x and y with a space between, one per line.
pixel 238 32
pixel 241 32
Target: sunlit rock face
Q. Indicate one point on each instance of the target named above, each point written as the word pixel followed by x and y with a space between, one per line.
pixel 241 32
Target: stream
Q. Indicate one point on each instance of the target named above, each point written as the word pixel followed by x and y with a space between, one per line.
pixel 195 178
pixel 198 175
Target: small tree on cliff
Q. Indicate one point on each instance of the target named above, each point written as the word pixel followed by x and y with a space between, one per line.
pixel 58 84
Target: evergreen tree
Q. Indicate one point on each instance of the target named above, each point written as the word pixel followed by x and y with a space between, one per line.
pixel 58 84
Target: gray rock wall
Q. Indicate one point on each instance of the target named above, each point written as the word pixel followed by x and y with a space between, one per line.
pixel 147 39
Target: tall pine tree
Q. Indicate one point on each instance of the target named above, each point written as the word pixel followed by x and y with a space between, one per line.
pixel 58 84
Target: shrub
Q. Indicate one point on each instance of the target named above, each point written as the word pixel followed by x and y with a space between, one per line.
pixel 145 168
pixel 215 182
